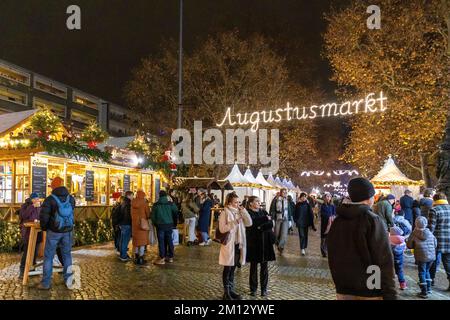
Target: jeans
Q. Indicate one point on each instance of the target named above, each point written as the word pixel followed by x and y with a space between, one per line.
pixel 165 240
pixel 205 236
pixel 398 266
pixel 64 241
pixel 125 236
pixel 263 276
pixel 445 257
pixel 303 234
pixel 281 232
pixel 190 223
pixel 24 256
pixel 424 272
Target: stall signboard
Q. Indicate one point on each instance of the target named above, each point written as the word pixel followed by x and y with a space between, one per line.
pixel 39 176
pixel 89 185
pixel 126 182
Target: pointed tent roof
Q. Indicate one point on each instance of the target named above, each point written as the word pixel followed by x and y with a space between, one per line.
pixel 291 185
pixel 278 182
pixel 249 176
pixel 391 174
pixel 260 179
pixel 236 177
pixel 271 181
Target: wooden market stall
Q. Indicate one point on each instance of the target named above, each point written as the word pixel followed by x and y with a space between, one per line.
pixel 95 185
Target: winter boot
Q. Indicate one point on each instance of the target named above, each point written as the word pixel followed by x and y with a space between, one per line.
pixel 136 258
pixel 423 291
pixel 233 294
pixel 226 293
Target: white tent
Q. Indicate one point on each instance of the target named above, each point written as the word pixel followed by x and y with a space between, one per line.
pixel 391 180
pixel 268 191
pixel 278 182
pixel 271 181
pixel 239 182
pixel 256 188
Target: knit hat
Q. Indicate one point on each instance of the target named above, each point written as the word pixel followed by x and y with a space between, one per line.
pixel 34 195
pixel 421 222
pixel 162 193
pixel 396 231
pixel 390 197
pixel 56 183
pixel 360 189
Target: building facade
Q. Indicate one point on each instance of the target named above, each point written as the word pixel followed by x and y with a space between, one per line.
pixel 22 89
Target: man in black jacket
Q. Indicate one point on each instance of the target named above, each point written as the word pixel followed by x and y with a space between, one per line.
pixel 359 253
pixel 59 226
pixel 304 219
pixel 125 226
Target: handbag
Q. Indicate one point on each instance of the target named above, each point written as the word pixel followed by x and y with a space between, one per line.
pixel 144 225
pixel 220 237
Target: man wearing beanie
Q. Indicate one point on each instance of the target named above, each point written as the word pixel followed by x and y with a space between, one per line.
pixel 384 209
pixel 424 244
pixel 56 217
pixel 358 242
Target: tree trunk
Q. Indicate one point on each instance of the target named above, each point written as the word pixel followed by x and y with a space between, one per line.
pixel 425 166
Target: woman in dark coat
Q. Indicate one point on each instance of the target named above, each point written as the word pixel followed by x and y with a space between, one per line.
pixel 304 219
pixel 204 218
pixel 327 211
pixel 260 241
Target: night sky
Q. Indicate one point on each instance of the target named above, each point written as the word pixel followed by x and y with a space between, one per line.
pixel 116 34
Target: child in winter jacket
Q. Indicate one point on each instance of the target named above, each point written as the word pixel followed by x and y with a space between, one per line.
pixel 398 246
pixel 424 244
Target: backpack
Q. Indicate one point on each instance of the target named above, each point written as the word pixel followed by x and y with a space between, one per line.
pixel 64 214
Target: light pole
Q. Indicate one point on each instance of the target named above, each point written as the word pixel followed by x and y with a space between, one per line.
pixel 180 70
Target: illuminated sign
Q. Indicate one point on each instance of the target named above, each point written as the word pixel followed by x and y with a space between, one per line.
pixel 369 104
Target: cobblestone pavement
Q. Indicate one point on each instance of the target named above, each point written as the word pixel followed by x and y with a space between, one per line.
pixel 195 274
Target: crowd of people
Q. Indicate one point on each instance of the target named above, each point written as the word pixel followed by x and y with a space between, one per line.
pixel 360 234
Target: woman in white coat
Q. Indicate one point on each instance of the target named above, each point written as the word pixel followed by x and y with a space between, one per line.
pixel 234 219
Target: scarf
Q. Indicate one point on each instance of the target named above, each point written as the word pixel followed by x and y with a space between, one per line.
pixel 240 235
pixel 439 202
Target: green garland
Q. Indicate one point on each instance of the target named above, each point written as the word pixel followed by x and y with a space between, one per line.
pixel 72 150
pixel 85 233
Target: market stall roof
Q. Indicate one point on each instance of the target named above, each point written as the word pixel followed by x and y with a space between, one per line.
pixel 249 176
pixel 236 178
pixel 271 181
pixel 290 185
pixel 391 174
pixel 118 142
pixel 260 179
pixel 278 182
pixel 285 183
pixel 9 121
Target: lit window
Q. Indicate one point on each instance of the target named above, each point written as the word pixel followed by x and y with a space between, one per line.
pixel 82 117
pixel 50 87
pixel 14 74
pixel 13 96
pixel 22 180
pixel 6 179
pixel 56 108
pixel 85 100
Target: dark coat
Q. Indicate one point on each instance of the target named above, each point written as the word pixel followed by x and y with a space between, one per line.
pixel 273 209
pixel 49 209
pixel 326 211
pixel 357 240
pixel 28 213
pixel 260 238
pixel 204 217
pixel 425 205
pixel 125 212
pixel 406 202
pixel 303 215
